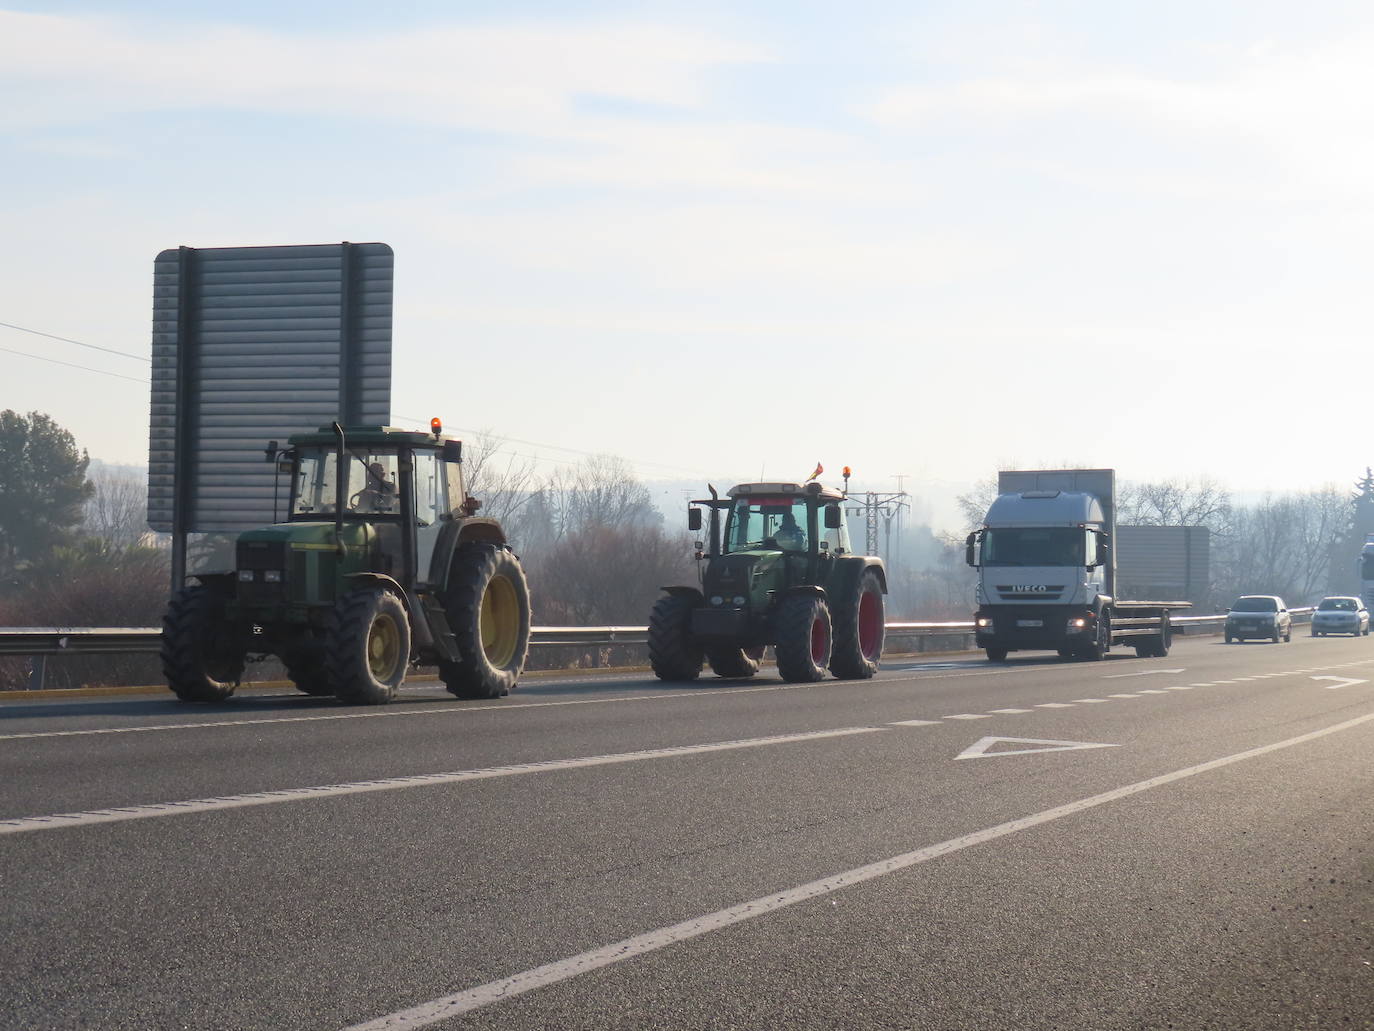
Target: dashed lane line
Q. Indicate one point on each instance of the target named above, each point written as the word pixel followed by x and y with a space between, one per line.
pixel 1054 705
pixel 467 1000
pixel 970 716
pixel 119 814
pixel 1010 712
pixel 1123 696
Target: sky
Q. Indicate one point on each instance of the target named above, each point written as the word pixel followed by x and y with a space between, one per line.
pixel 926 240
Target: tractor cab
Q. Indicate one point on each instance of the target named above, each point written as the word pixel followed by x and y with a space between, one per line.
pixel 394 488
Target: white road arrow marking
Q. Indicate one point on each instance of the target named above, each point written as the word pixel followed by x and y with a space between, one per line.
pixel 1340 682
pixel 979 749
pixel 1143 673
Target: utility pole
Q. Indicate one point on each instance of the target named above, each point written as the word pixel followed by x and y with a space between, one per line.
pixel 886 506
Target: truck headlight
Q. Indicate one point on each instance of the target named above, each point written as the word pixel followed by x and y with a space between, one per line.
pixel 984 621
pixel 1077 623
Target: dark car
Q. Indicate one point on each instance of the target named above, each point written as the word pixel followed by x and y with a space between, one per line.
pixel 1258 616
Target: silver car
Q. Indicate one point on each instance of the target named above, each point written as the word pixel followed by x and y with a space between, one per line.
pixel 1340 614
pixel 1259 616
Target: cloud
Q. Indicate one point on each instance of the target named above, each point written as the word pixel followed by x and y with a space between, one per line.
pixel 513 77
pixel 1310 108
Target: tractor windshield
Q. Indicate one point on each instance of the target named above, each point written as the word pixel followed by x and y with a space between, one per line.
pixel 370 491
pixel 773 523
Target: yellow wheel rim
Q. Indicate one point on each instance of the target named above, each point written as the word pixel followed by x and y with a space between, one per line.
pixel 383 647
pixel 500 621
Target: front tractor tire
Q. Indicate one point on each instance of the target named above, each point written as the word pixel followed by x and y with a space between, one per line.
pixel 672 654
pixel 306 667
pixel 368 647
pixel 202 657
pixel 734 663
pixel 487 603
pixel 804 638
pixel 859 630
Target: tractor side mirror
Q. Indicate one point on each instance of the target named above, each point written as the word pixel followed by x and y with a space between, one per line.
pixel 694 519
pixel 970 542
pixel 834 518
pixel 453 451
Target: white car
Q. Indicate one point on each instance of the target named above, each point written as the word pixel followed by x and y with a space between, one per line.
pixel 1340 614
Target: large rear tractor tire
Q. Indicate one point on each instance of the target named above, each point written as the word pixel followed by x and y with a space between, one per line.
pixel 672 654
pixel 488 608
pixel 368 647
pixel 804 638
pixel 734 663
pixel 859 630
pixel 202 655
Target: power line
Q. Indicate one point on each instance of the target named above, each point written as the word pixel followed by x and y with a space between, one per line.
pixel 78 343
pixel 70 365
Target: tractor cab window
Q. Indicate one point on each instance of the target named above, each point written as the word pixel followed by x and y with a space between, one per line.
pixel 370 490
pixel 766 522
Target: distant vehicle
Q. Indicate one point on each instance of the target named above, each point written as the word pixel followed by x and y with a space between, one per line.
pixel 1259 616
pixel 1365 568
pixel 1340 614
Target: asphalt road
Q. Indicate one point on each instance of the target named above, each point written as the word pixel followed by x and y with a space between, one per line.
pixel 1191 849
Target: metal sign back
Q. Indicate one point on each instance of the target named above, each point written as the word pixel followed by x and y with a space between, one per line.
pixel 252 344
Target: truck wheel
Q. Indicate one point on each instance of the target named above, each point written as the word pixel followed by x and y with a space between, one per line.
pixel 202 656
pixel 368 647
pixel 996 654
pixel 1157 647
pixel 1101 643
pixel 1065 652
pixel 859 630
pixel 734 662
pixel 488 608
pixel 305 666
pixel 672 654
pixel 804 638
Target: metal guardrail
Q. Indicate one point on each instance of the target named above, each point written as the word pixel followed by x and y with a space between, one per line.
pixel 145 640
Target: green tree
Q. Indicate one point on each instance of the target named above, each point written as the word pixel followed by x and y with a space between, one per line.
pixel 43 488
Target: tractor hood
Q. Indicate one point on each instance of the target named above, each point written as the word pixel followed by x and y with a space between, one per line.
pixel 309 534
pixel 735 574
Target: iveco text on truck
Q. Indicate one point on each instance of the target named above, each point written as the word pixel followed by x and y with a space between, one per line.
pixel 1047 570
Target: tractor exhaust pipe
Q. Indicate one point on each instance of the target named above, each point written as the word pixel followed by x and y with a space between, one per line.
pixel 340 488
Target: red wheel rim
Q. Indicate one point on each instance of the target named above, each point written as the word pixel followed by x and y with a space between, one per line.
pixel 818 642
pixel 870 625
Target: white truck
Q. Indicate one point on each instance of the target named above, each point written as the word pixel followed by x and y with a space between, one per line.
pixel 1047 570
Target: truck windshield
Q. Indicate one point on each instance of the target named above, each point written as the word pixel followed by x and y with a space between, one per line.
pixel 776 523
pixel 1034 546
pixel 371 487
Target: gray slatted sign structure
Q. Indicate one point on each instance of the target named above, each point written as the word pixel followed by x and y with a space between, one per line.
pixel 253 344
pixel 1167 562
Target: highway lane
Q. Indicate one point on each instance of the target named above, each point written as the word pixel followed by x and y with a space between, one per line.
pixel 1181 903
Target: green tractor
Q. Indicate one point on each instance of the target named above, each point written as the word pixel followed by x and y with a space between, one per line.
pixel 783 575
pixel 381 563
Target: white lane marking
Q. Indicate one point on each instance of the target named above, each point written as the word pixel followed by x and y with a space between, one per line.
pixel 1340 682
pixel 459 709
pixel 1153 690
pixel 969 716
pixel 1144 673
pixel 979 749
pixel 1207 684
pixel 117 814
pixel 1180 687
pixel 1054 705
pixel 1090 701
pixel 471 999
pixel 1123 696
pixel 1009 712
pixel 913 723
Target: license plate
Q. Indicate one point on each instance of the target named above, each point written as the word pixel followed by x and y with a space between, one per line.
pixel 1030 622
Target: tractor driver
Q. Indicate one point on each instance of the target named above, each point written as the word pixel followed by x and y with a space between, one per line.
pixel 378 494
pixel 789 535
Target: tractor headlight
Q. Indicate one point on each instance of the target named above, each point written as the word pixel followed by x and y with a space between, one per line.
pixel 272 576
pixel 738 601
pixel 245 576
pixel 716 599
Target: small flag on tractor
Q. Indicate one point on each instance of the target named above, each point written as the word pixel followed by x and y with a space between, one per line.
pixel 819 469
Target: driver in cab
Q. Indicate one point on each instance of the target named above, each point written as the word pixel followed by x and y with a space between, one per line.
pixel 789 535
pixel 378 494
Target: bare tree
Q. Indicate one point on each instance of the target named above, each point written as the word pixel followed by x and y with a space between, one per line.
pixel 1203 502
pixel 603 575
pixel 117 511
pixel 1283 545
pixel 505 482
